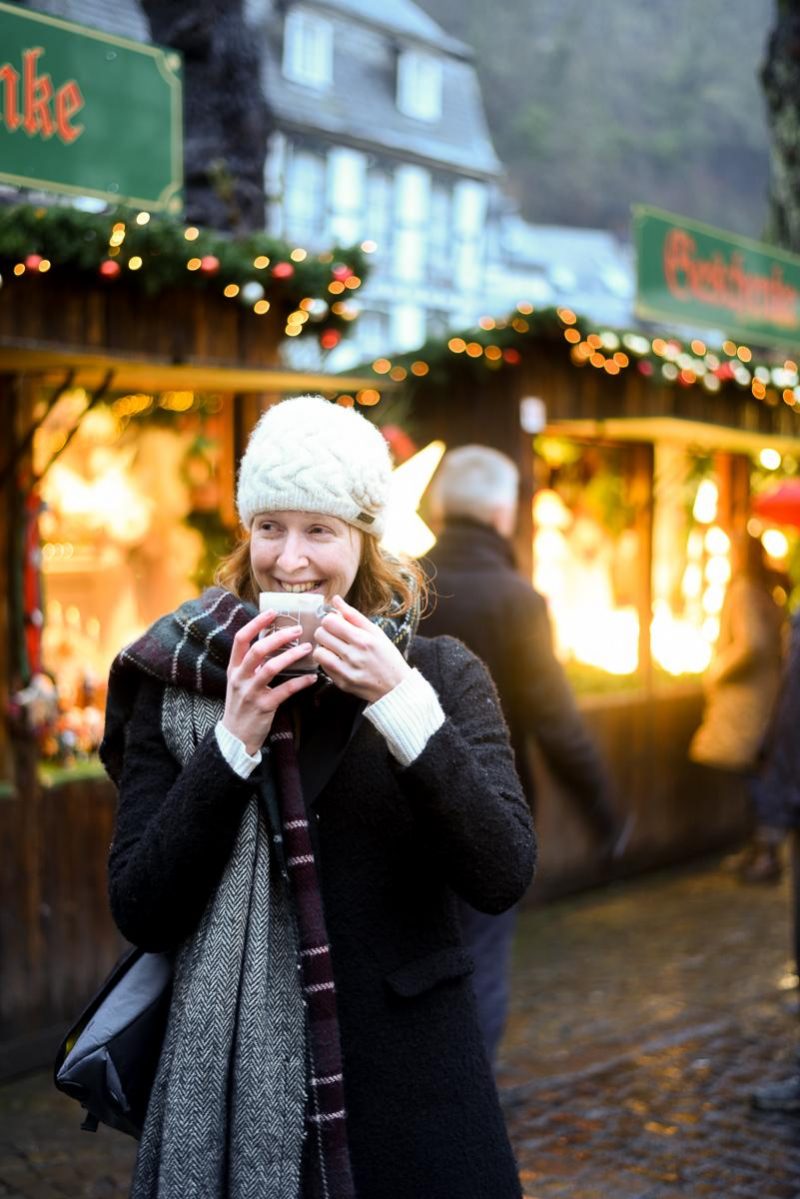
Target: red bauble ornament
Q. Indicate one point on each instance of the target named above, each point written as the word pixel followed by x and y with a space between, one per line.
pixel 512 356
pixel 209 264
pixel 32 262
pixel 330 338
pixel 341 272
pixel 282 270
pixel 109 269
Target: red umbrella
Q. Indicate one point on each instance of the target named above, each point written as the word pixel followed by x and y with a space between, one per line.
pixel 781 506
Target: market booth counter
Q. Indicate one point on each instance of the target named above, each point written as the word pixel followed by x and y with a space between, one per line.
pixel 125 414
pixel 636 487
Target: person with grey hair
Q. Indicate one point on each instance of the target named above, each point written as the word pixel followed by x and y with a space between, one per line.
pixel 481 598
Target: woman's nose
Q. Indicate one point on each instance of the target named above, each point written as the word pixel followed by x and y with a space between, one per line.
pixel 293 553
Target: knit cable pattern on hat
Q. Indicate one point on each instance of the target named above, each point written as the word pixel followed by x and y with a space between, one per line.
pixel 310 455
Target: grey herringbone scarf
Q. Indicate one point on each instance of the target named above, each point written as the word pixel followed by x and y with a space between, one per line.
pixel 226 1112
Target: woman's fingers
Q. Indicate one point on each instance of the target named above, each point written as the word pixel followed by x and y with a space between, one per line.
pixel 273 666
pixel 265 647
pixel 247 634
pixel 351 614
pixel 279 694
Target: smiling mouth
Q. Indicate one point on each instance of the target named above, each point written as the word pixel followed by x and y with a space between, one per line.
pixel 298 588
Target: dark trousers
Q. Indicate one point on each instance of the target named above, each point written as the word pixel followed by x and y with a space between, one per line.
pixel 489 940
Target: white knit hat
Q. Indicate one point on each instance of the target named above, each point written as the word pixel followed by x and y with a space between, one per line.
pixel 307 454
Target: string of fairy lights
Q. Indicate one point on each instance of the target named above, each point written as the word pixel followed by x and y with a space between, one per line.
pixel 499 344
pixel 316 292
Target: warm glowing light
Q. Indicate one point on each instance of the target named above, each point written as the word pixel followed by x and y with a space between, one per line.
pixel 457 345
pixel 368 396
pixel 487 322
pixel 692 582
pixel 299 255
pixel 718 570
pixel 419 368
pixel 775 543
pixel 676 644
pixel 572 336
pixel 191 234
pixel 231 290
pixel 336 287
pixel 134 264
pixel 369 247
pixel 194 264
pixel 698 347
pixel 713 599
pixel 261 306
pixel 705 502
pixel 550 511
pixel 770 459
pixel 143 218
pixel 260 262
pixel 406 531
pixel 716 541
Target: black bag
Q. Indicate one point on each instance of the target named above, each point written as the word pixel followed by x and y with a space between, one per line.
pixel 108 1059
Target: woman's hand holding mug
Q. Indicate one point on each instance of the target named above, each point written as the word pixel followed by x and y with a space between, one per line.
pixel 356 654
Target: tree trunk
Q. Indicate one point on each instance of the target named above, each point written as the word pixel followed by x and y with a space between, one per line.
pixel 780 77
pixel 225 119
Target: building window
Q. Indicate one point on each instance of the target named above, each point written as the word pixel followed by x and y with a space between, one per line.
pixel 378 217
pixel 419 85
pixel 304 202
pixel 440 236
pixel 308 49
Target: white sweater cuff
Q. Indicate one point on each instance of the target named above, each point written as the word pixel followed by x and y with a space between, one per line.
pixel 234 752
pixel 407 716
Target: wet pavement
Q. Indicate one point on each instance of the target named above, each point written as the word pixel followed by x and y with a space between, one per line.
pixel 642 1017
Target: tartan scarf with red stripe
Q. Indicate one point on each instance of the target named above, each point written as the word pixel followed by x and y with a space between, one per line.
pixel 190 649
pixel 328 1172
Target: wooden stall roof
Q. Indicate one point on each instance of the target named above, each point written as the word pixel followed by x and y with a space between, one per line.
pixel 129 374
pixel 677 430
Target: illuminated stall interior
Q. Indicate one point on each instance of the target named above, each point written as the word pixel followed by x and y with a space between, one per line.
pixel 593 542
pixel 134 513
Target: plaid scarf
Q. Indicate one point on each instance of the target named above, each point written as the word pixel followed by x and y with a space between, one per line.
pixel 189 650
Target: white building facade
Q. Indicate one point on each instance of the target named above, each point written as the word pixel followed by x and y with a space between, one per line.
pixel 379 137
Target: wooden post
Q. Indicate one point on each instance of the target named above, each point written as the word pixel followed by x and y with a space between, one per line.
pixel 641 497
pixel 8 416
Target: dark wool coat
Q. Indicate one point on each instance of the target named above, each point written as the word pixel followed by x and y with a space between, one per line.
pixel 776 790
pixel 393 845
pixel 480 597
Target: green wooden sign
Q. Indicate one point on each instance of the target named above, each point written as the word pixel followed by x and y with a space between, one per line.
pixel 87 113
pixel 689 274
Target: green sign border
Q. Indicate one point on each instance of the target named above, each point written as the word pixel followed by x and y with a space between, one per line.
pixel 167 62
pixel 744 332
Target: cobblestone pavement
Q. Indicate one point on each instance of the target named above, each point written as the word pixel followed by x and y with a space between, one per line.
pixel 642 1017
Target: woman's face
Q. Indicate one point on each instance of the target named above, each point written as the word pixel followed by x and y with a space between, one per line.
pixel 304 551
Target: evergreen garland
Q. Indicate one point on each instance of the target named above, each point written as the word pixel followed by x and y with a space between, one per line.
pixel 67 243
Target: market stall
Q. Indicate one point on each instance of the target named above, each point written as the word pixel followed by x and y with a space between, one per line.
pixel 126 396
pixel 640 456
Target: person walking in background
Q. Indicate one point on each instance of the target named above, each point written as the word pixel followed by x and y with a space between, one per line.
pixel 777 797
pixel 481 598
pixel 298 841
pixel 741 688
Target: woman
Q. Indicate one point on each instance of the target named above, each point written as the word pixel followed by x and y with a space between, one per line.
pixel 742 686
pixel 297 841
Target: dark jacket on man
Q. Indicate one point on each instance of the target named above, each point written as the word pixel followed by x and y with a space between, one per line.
pixel 480 597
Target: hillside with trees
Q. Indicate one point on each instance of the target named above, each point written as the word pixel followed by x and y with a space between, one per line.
pixel 595 106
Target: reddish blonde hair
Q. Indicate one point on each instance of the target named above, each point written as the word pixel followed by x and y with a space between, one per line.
pixel 383 585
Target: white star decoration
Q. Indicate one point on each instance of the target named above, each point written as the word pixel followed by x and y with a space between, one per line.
pixel 406 531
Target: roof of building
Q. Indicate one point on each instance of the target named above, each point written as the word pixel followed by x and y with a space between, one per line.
pixel 125 18
pixel 397 16
pixel 360 108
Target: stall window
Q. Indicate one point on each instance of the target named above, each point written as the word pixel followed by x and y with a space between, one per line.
pixel 130 526
pixel 586 554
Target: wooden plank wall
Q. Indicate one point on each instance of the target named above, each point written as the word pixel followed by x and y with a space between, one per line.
pixel 57 939
pixel 180 326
